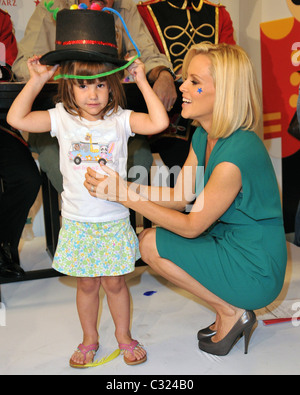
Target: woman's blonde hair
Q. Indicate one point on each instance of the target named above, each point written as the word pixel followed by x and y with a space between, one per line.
pixel 65 92
pixel 238 103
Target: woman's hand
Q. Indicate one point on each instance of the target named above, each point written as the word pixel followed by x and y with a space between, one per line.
pixel 40 72
pixel 111 187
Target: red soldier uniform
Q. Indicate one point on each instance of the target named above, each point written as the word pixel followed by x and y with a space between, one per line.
pixel 8 44
pixel 175 25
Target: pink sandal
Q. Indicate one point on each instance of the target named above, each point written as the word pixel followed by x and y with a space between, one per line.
pixel 84 350
pixel 131 347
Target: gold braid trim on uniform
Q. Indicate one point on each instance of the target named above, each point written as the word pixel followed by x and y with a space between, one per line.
pixel 217 26
pixel 183 7
pixel 199 6
pixel 188 31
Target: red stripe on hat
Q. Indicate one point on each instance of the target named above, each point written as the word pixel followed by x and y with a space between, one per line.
pixel 89 42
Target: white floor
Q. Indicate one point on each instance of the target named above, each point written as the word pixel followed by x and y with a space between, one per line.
pixel 39 328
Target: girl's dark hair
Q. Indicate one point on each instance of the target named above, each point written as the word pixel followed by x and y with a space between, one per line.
pixel 65 87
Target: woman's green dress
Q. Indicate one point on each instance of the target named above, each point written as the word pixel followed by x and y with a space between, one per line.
pixel 242 257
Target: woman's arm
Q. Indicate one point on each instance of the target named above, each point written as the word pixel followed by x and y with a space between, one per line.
pixel 20 115
pixel 157 118
pixel 181 195
pixel 217 196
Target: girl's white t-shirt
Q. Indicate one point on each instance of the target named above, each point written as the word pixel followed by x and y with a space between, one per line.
pixel 82 144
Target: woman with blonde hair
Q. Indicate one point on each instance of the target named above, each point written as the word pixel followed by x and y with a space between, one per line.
pixel 229 249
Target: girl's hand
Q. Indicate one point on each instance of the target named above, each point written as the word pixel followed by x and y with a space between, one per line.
pixel 137 70
pixel 111 187
pixel 39 71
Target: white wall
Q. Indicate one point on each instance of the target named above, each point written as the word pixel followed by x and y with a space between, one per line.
pixel 247 16
pixel 20 11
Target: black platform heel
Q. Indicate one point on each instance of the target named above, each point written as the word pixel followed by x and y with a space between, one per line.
pixel 242 327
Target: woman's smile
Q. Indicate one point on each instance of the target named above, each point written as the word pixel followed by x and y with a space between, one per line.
pixel 185 101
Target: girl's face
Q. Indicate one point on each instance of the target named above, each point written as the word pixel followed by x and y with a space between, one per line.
pixel 91 98
pixel 198 91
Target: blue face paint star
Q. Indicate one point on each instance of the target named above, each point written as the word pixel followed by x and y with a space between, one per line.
pixel 199 90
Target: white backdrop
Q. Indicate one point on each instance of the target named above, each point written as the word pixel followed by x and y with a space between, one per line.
pixel 20 11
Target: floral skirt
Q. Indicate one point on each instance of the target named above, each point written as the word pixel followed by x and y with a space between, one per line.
pixel 87 249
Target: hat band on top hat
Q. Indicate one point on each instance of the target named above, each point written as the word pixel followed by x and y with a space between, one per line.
pixel 85 42
pixel 93 77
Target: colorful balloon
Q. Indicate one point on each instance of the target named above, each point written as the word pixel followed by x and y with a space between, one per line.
pixel 96 7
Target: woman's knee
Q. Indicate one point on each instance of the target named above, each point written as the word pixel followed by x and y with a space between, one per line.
pixel 147 244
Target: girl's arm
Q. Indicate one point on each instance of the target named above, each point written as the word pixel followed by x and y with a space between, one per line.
pixel 20 115
pixel 157 118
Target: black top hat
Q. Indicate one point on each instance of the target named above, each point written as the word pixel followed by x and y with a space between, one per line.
pixel 86 35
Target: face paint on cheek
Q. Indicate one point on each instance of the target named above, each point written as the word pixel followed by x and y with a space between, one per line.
pixel 199 90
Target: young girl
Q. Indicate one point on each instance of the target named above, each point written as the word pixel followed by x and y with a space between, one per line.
pixel 96 243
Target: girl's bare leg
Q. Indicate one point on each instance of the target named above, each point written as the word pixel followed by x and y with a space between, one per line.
pixel 88 307
pixel 118 300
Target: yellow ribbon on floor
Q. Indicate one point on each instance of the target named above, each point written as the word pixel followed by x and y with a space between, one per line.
pixel 104 360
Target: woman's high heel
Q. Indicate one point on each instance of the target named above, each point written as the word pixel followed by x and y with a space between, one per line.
pixel 206 332
pixel 242 327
